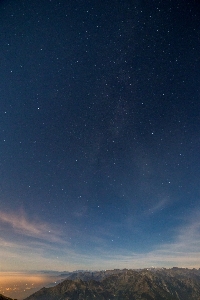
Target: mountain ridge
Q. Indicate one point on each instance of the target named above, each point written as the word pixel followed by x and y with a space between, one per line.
pixel 144 284
pixel 2 297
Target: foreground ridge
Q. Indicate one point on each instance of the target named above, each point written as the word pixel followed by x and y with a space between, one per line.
pixel 2 297
pixel 146 284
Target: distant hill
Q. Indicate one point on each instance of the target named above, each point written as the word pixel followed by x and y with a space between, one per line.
pixel 146 284
pixel 4 298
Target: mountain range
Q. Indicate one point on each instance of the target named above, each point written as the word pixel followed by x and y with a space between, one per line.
pixel 145 284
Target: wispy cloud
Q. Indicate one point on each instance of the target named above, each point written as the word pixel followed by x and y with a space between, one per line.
pixel 183 251
pixel 161 204
pixel 187 239
pixel 20 224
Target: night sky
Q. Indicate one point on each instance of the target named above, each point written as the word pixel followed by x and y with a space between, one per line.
pixel 99 134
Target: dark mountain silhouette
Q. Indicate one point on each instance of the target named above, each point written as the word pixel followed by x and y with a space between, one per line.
pixel 146 284
pixel 4 298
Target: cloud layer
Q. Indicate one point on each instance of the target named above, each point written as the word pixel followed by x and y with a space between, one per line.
pixel 20 224
pixel 48 248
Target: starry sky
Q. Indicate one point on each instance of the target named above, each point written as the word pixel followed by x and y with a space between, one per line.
pixel 99 134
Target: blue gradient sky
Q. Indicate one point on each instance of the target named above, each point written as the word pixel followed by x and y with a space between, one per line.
pixel 99 134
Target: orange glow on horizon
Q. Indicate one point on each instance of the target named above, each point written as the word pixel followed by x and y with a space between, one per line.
pixel 20 284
